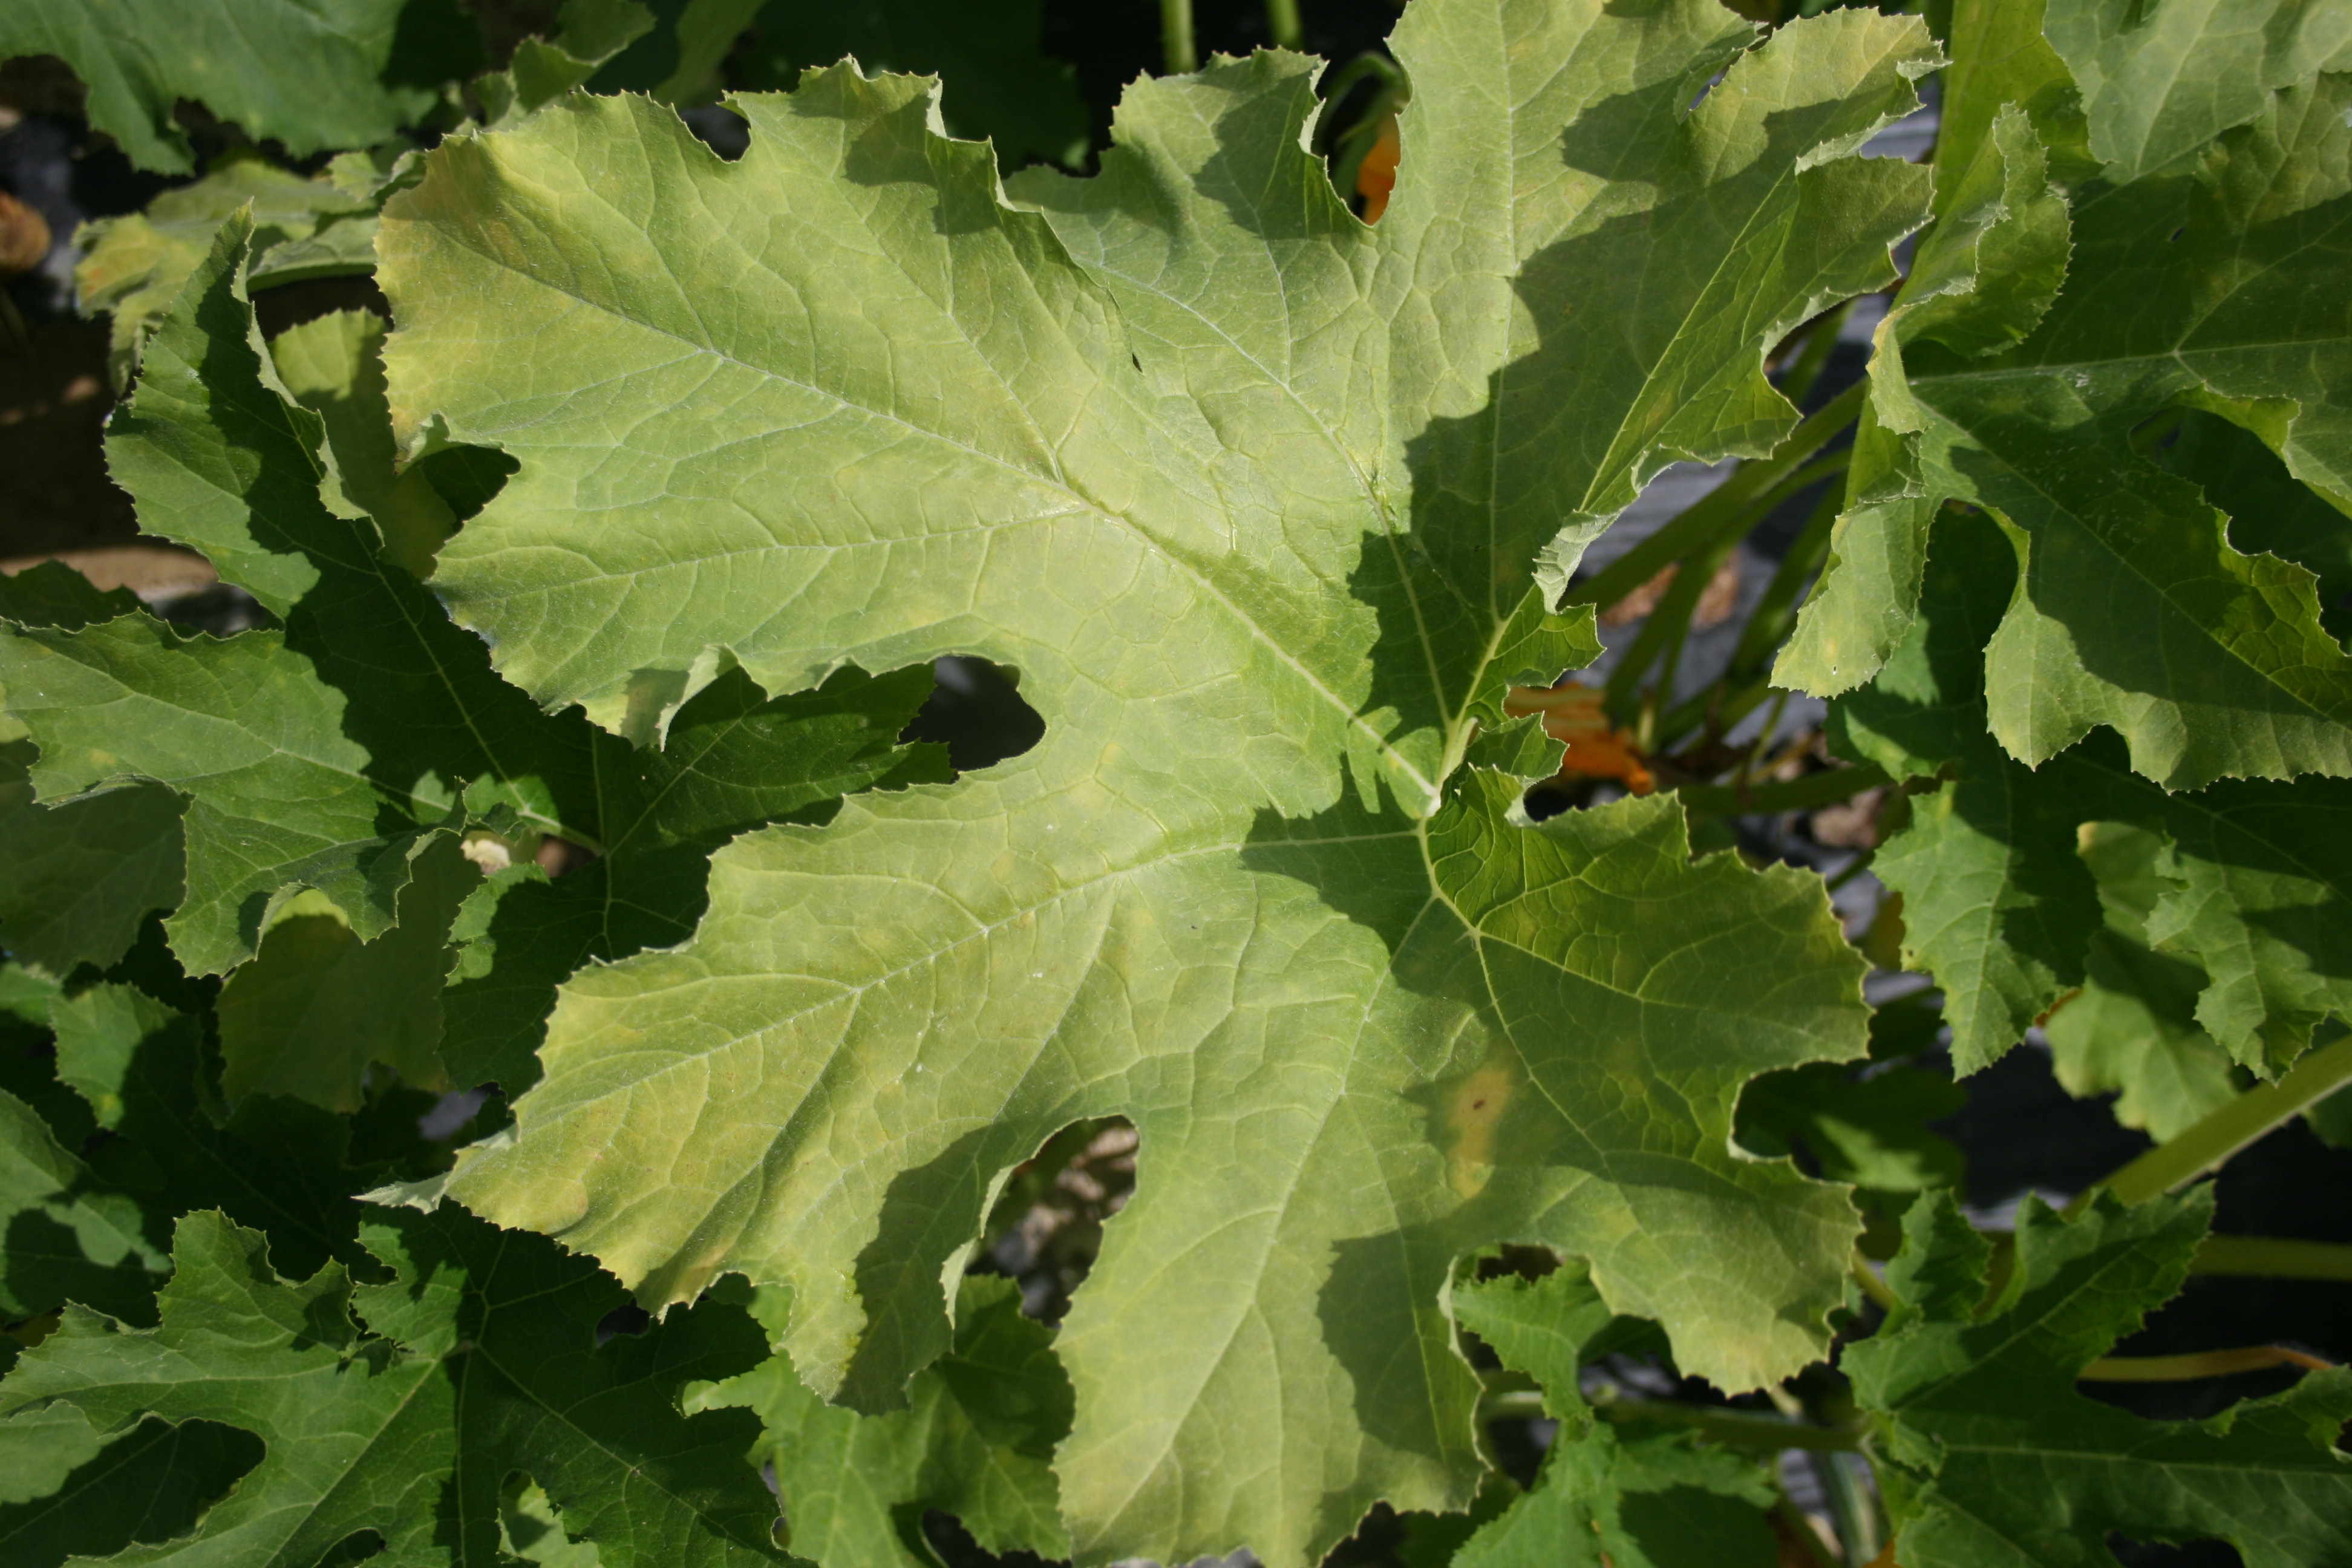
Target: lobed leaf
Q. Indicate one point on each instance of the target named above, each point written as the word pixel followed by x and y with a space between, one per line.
pixel 1642 1496
pixel 483 1359
pixel 976 1441
pixel 311 74
pixel 2202 253
pixel 2259 895
pixel 133 266
pixel 2002 1460
pixel 1249 494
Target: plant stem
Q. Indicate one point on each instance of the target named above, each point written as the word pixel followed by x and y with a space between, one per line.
pixel 2189 1154
pixel 1850 870
pixel 1825 788
pixel 1282 23
pixel 1797 1528
pixel 2276 1258
pixel 1668 625
pixel 1853 1510
pixel 2202 1363
pixel 1513 1405
pixel 1776 610
pixel 1738 1428
pixel 1876 1288
pixel 1176 52
pixel 1641 563
pixel 1763 739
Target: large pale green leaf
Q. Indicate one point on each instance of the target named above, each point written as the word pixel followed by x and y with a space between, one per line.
pixel 2002 1461
pixel 482 1360
pixel 1641 1497
pixel 1250 494
pixel 2211 273
pixel 312 74
pixel 975 1441
pixel 329 755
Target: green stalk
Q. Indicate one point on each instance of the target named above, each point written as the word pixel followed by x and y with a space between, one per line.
pixel 1342 82
pixel 1814 790
pixel 1736 1428
pixel 1795 1527
pixel 2273 1257
pixel 1642 562
pixel 1850 870
pixel 1667 626
pixel 2189 1154
pixel 1876 1288
pixel 1768 623
pixel 1513 1405
pixel 1176 52
pixel 1348 149
pixel 1739 775
pixel 1851 1508
pixel 1282 25
pixel 1695 709
pixel 1776 611
pixel 2199 1363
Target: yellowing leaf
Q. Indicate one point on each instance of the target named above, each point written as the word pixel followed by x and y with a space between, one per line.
pixel 1266 507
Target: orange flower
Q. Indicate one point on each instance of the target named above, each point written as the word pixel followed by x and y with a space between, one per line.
pixel 1595 749
pixel 1376 176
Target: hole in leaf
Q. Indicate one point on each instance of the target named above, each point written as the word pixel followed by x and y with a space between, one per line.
pixel 532 1526
pixel 718 128
pixel 280 307
pixel 1554 795
pixel 625 1319
pixel 976 711
pixel 1046 1227
pixel 357 1547
pixel 466 479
